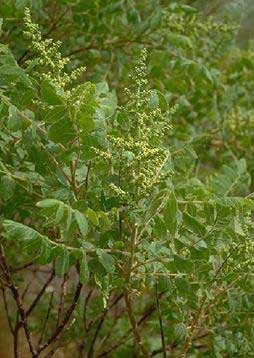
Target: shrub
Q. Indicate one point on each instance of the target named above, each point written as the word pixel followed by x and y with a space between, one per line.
pixel 118 203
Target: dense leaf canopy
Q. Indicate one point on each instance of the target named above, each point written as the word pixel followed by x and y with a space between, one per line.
pixel 126 178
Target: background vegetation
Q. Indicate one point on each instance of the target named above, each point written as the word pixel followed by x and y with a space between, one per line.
pixel 126 178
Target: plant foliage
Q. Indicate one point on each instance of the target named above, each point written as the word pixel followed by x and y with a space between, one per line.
pixel 126 188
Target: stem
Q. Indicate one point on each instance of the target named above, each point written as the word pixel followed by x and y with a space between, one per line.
pixel 135 331
pixel 36 300
pixel 19 303
pixel 46 319
pixel 68 314
pixel 62 298
pixel 73 168
pixel 91 350
pixel 134 326
pixel 148 312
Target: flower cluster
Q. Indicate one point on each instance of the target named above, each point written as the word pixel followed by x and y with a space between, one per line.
pixel 193 24
pixel 49 55
pixel 138 149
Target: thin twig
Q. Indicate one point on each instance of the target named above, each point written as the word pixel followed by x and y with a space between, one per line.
pixel 67 316
pixel 98 328
pixel 19 303
pixel 134 326
pixel 46 318
pixel 147 313
pixel 62 298
pixel 38 297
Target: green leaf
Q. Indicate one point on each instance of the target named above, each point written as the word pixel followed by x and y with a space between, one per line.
pixel 7 187
pixel 106 260
pixel 170 214
pixel 19 231
pixel 82 222
pixel 183 286
pixel 230 178
pixel 158 100
pixel 193 224
pixel 180 331
pixel 154 99
pixel 14 121
pixel 6 57
pixel 30 238
pixel 55 114
pixel 92 216
pixel 84 112
pixel 1 24
pixel 178 40
pixel 59 213
pixel 69 220
pixel 45 252
pixel 84 270
pixel 48 203
pixel 62 131
pixel 103 216
pixel 188 9
pixel 62 261
pixel 51 94
pixel 9 69
pixel 182 264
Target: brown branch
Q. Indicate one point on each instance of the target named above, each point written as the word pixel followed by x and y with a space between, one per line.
pixel 106 337
pixel 107 45
pixel 81 345
pixel 148 312
pixel 91 350
pixel 27 288
pixel 20 268
pixel 134 325
pixel 38 297
pixel 62 298
pixel 62 325
pixel 86 182
pixel 85 308
pixel 19 303
pixel 46 318
pixel 100 321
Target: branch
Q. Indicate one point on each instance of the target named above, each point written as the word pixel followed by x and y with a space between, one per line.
pixel 134 326
pixel 62 298
pixel 46 319
pixel 36 300
pixel 148 312
pixel 91 350
pixel 64 322
pixel 19 303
